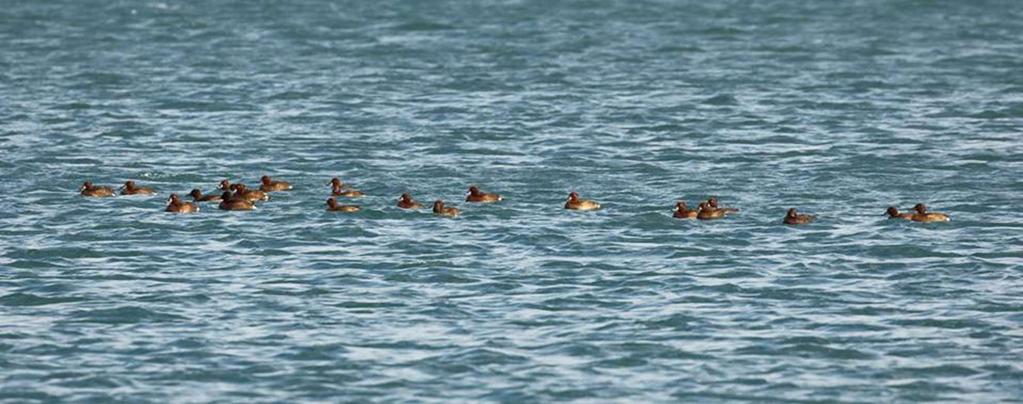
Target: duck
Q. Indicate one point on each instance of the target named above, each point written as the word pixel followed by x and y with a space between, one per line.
pixel 225 185
pixel 332 206
pixel 406 202
pixel 475 195
pixel 250 195
pixel 791 217
pixel 176 205
pixel 197 196
pixel 707 212
pixel 129 188
pixel 893 213
pixel 440 210
pixel 683 212
pixel 268 185
pixel 922 215
pixel 337 189
pixel 712 202
pixel 228 202
pixel 574 203
pixel 95 191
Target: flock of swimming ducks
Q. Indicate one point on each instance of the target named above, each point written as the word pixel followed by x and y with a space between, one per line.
pixel 239 197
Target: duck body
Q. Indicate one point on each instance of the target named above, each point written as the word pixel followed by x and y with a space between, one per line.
pixel 576 203
pixel 922 215
pixel 176 205
pixel 683 212
pixel 251 195
pixel 893 213
pixel 333 206
pixel 131 189
pixel 229 202
pixel 338 188
pixel 268 185
pixel 706 212
pixel 406 202
pixel 197 196
pixel 95 191
pixel 475 195
pixel 794 218
pixel 447 211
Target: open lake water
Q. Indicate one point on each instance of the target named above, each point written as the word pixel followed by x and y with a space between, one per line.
pixel 838 108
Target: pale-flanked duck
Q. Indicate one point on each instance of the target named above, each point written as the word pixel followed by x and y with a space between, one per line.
pixel 250 195
pixel 176 205
pixel 683 212
pixel 197 196
pixel 922 215
pixel 893 213
pixel 130 188
pixel 337 188
pixel 229 202
pixel 440 210
pixel 406 202
pixel 706 212
pixel 792 217
pixel 268 185
pixel 475 195
pixel 575 203
pixel 333 206
pixel 95 191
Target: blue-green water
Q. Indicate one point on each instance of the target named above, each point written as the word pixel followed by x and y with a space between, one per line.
pixel 836 108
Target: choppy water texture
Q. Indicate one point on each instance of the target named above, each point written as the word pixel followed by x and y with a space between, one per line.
pixel 836 108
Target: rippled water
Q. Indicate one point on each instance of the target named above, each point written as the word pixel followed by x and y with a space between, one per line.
pixel 836 108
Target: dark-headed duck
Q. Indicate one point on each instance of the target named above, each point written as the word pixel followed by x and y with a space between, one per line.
pixel 712 203
pixel 683 212
pixel 791 217
pixel 707 212
pixel 441 210
pixel 406 202
pixel 893 213
pixel 225 185
pixel 97 191
pixel 197 196
pixel 228 202
pixel 922 215
pixel 574 203
pixel 475 195
pixel 129 188
pixel 332 206
pixel 337 188
pixel 251 195
pixel 176 205
pixel 268 185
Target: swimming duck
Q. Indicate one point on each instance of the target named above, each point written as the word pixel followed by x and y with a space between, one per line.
pixel 712 203
pixel 922 215
pixel 791 217
pixel 707 212
pixel 475 195
pixel 268 185
pixel 337 189
pixel 683 212
pixel 250 195
pixel 176 205
pixel 441 210
pixel 893 213
pixel 97 191
pixel 197 196
pixel 129 188
pixel 228 202
pixel 332 206
pixel 574 203
pixel 406 202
